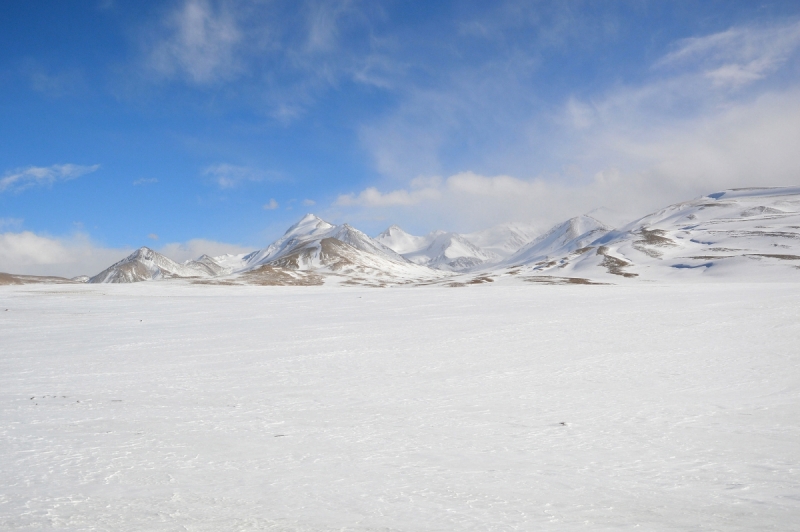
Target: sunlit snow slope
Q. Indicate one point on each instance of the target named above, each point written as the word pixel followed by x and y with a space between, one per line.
pixel 736 234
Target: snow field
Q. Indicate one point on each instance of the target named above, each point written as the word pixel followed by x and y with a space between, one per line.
pixel 167 406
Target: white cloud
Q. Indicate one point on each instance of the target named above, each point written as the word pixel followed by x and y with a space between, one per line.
pixel 636 170
pixel 199 44
pixel 680 133
pixel 309 202
pixel 192 249
pixel 23 178
pixel 231 176
pixel 371 197
pixel 32 254
pixel 152 236
pixel 271 205
pixel 145 181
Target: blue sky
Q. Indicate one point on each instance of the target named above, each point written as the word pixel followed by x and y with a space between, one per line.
pixel 198 126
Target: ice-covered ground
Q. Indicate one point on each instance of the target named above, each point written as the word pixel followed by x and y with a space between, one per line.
pixel 167 406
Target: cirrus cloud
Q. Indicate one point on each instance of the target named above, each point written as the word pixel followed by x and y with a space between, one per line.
pixel 22 178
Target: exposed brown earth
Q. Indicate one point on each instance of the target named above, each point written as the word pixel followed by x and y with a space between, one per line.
pixel 614 265
pixel 268 275
pixel 581 251
pixel 774 256
pixel 480 280
pixel 759 234
pixel 547 279
pixel 655 238
pixel 10 278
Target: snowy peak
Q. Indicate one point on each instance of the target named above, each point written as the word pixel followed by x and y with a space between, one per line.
pixel 450 251
pixel 565 237
pixel 503 240
pixel 438 249
pixel 309 227
pixel 144 264
pixel 401 242
pixel 301 248
pixel 352 236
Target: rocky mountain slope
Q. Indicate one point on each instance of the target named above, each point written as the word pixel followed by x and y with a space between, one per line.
pixel 144 264
pixel 563 238
pixel 742 234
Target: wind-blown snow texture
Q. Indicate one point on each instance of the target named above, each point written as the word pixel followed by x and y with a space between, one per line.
pixel 171 406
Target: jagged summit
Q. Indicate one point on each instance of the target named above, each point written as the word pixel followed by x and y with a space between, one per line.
pixel 144 264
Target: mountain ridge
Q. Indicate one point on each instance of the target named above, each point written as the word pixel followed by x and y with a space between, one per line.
pixel 734 233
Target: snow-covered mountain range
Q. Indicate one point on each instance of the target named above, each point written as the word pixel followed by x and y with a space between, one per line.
pixel 743 234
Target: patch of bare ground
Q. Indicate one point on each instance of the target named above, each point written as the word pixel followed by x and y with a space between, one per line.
pixel 759 234
pixel 652 238
pixel 720 204
pixel 455 285
pixel 581 251
pixel 711 257
pixel 774 256
pixel 357 281
pixel 724 250
pixel 545 264
pixel 480 280
pixel 549 279
pixel 614 265
pixel 268 275
pixel 10 278
pixel 216 282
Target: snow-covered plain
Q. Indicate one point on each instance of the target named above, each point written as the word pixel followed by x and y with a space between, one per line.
pixel 170 406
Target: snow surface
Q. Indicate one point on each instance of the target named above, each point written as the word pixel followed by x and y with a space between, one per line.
pixel 171 406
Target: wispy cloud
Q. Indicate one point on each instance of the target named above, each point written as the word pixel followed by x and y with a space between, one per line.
pixel 145 181
pixel 282 55
pixel 199 44
pixel 10 223
pixel 738 56
pixel 230 176
pixel 20 179
pixel 54 84
pixel 271 205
